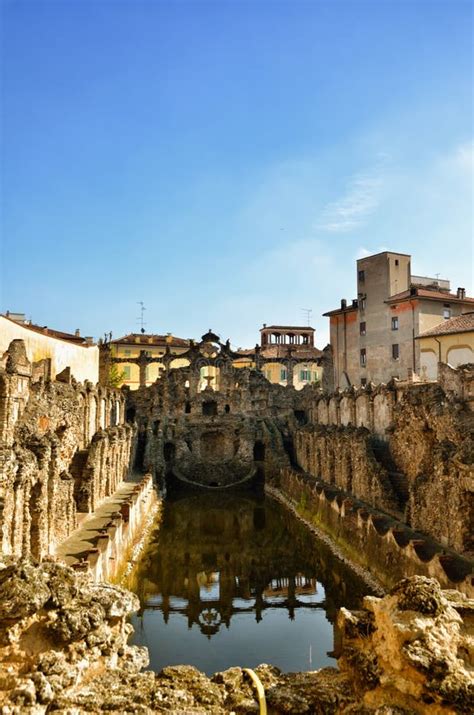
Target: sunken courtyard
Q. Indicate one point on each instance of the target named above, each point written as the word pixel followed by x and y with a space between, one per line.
pixel 214 542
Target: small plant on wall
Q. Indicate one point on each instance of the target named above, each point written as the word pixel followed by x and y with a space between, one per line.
pixel 116 376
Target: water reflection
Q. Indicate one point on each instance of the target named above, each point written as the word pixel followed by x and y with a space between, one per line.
pixel 236 580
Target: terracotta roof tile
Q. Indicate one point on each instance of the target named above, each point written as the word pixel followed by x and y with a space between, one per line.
pixel 427 293
pixel 150 339
pixel 286 327
pixel 50 332
pixel 461 324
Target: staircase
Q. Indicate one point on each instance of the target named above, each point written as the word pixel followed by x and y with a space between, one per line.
pixel 398 480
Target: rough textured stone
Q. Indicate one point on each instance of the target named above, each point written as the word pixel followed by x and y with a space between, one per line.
pixel 63 448
pixel 66 651
pixel 406 449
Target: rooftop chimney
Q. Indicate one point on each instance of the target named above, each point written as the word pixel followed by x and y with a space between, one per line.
pixel 89 340
pixel 461 293
pixel 77 333
pixel 343 303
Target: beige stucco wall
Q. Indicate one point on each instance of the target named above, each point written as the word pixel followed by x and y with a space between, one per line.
pixel 456 349
pixel 83 360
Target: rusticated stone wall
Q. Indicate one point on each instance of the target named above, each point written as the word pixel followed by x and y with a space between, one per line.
pixel 215 438
pixel 407 449
pixel 432 443
pixel 64 447
pixel 373 406
pixel 342 456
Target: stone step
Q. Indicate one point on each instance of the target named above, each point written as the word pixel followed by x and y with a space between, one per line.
pixel 398 480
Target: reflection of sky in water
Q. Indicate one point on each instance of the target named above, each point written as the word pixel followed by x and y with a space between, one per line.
pixel 301 644
pixel 261 600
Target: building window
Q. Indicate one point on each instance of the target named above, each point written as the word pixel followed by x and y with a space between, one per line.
pixel 283 374
pixel 361 276
pixel 362 301
pixel 363 357
pixel 127 352
pixel 126 372
pixel 362 328
pixel 395 351
pixel 396 261
pixel 446 312
pixel 363 381
pixel 305 375
pixel 395 323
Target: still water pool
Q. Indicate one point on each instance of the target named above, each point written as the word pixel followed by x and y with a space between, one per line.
pixel 237 580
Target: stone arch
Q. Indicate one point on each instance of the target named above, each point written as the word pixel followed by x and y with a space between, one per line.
pixel 382 411
pixel 363 411
pixel 169 451
pixel 36 518
pixel 333 411
pixel 347 410
pixel 323 412
pixel 83 419
pixel 102 413
pixel 114 412
pixel 92 427
pixel 209 408
pixel 259 451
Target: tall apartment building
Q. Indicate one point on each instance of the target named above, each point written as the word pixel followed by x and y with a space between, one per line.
pixel 373 338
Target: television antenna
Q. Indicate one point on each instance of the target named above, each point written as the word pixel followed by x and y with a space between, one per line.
pixel 141 316
pixel 307 312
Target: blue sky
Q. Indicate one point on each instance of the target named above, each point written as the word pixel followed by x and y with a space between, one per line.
pixel 226 162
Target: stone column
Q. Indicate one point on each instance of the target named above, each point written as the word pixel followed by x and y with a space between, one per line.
pixel 290 373
pixel 142 365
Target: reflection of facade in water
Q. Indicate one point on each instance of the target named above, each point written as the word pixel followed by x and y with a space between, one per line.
pixel 303 586
pixel 214 557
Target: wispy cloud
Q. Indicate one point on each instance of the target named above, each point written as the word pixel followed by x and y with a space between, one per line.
pixel 355 206
pixel 363 252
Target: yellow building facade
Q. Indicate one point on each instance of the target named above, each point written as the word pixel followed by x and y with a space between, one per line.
pixel 452 342
pixel 130 346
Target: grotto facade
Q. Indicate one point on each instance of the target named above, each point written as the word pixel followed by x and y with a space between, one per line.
pixel 65 446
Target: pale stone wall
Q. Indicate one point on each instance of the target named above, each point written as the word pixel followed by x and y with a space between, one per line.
pixel 347 410
pixel 365 407
pixel 81 359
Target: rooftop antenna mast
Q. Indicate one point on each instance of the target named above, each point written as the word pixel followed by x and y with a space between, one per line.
pixel 141 316
pixel 307 312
